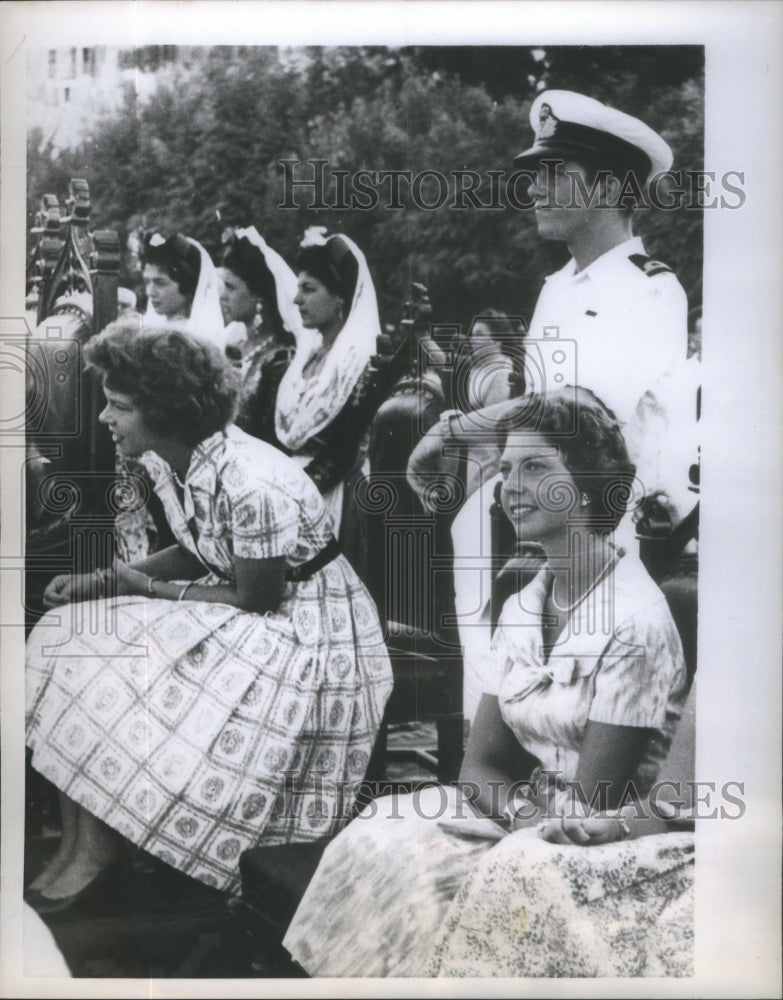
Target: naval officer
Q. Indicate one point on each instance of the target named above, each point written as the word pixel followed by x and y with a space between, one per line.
pixel 612 320
pixel 624 313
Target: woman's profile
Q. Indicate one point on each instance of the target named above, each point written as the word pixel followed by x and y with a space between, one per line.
pixel 257 296
pixel 181 285
pixel 228 689
pixel 338 309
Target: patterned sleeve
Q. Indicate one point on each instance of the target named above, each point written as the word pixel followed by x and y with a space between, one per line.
pixel 264 517
pixel 640 671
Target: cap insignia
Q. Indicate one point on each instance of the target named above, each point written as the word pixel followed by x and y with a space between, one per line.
pixel 547 122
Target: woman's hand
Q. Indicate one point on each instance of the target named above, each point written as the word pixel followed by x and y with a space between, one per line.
pixel 600 828
pixel 68 588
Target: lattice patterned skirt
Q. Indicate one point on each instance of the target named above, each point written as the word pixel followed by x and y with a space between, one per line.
pixel 198 730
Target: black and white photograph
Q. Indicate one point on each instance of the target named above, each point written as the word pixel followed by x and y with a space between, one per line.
pixel 390 452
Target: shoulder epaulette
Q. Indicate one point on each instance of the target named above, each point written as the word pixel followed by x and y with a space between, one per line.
pixel 649 266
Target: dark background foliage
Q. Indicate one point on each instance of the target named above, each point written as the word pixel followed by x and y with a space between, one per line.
pixel 210 140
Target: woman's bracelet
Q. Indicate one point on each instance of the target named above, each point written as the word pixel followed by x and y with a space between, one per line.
pixel 106 580
pixel 625 830
pixel 151 580
pixel 185 589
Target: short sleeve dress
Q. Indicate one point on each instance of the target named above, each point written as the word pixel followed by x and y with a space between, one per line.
pixel 415 886
pixel 618 661
pixel 197 730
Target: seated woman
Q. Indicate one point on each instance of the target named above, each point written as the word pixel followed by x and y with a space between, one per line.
pixel 588 687
pixel 257 296
pixel 486 374
pixel 338 309
pixel 225 691
pixel 181 285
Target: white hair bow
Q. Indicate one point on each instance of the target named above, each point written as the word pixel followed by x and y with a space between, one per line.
pixel 314 236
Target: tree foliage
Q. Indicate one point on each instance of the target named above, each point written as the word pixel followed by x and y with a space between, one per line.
pixel 210 138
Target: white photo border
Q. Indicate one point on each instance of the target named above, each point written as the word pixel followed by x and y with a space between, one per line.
pixel 738 863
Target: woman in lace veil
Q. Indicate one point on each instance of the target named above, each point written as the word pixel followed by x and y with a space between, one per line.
pixel 339 313
pixel 182 285
pixel 258 289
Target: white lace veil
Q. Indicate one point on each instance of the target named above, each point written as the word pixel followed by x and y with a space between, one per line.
pixel 286 284
pixel 305 406
pixel 206 317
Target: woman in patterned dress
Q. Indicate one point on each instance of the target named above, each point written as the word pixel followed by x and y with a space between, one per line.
pixel 589 685
pixel 224 691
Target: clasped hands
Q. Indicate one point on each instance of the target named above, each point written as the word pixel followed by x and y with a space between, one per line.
pixel 119 581
pixel 596 828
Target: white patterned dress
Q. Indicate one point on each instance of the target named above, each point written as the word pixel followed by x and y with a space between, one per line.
pixel 415 886
pixel 197 730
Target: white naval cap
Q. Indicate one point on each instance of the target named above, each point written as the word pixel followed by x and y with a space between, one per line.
pixel 576 127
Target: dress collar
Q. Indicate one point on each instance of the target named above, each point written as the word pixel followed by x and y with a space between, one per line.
pixel 202 462
pixel 531 600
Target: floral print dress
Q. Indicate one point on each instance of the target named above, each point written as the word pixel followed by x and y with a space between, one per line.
pixel 419 886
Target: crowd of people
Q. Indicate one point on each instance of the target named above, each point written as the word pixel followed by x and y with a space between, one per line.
pixel 221 684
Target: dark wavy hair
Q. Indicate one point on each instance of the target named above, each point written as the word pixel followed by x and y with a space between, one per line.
pixel 175 255
pixel 185 387
pixel 496 322
pixel 334 265
pixel 247 262
pixel 590 443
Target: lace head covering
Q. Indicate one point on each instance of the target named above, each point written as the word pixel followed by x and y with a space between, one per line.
pixel 308 404
pixel 266 274
pixel 188 263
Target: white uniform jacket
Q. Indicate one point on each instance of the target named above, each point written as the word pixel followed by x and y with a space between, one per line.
pixel 624 323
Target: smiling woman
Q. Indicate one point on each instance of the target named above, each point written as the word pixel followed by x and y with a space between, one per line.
pixel 126 423
pixel 234 684
pixel 587 688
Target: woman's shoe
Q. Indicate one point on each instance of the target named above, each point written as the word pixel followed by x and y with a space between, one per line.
pixel 49 905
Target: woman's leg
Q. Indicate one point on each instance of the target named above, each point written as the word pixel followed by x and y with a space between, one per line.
pixel 96 846
pixel 69 813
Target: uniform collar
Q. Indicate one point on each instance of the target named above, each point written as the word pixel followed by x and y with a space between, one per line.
pixel 605 262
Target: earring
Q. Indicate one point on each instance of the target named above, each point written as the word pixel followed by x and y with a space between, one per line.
pixel 258 319
pixel 585 499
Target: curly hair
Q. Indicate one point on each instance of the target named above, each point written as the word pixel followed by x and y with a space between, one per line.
pixel 184 386
pixel 590 443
